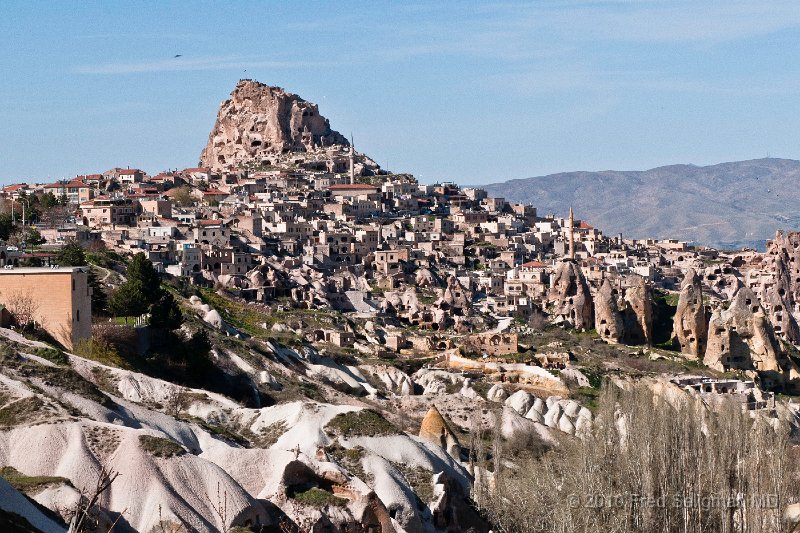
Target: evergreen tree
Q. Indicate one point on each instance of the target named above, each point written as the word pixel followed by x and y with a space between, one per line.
pixel 71 254
pixel 165 313
pixel 128 300
pixel 142 293
pixel 142 274
pixel 99 297
pixel 48 200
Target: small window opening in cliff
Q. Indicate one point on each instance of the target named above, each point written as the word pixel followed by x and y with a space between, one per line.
pixel 255 143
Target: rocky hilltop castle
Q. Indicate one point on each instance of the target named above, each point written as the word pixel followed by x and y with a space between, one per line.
pixel 264 126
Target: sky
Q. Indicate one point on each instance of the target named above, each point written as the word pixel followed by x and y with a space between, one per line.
pixel 472 92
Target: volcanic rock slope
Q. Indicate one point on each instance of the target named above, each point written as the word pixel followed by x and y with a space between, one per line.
pixel 259 123
pixel 729 204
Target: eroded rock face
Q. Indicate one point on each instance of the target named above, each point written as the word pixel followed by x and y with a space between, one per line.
pixel 455 296
pixel 435 430
pixel 571 297
pixel 260 122
pixel 638 316
pixel 690 322
pixel 741 338
pixel 607 317
pixel 783 258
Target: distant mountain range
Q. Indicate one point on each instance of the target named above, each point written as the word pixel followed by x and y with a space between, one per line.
pixel 729 205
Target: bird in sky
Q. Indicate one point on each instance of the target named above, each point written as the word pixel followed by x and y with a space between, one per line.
pixel 178 55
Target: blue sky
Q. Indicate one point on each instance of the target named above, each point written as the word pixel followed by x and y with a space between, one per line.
pixel 463 91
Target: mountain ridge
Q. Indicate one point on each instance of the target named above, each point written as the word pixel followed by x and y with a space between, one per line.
pixel 729 204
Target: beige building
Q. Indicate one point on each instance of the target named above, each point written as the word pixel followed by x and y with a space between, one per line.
pixel 105 211
pixel 58 299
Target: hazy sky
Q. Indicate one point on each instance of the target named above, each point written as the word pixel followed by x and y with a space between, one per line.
pixel 463 91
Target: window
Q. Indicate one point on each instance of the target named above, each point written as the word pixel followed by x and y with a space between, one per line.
pixel 78 315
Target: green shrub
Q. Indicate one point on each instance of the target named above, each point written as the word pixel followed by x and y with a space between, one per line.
pixel 364 423
pixel 51 354
pixel 349 458
pixel 160 447
pixel 316 497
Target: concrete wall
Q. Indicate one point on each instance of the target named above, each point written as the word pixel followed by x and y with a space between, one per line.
pixel 61 298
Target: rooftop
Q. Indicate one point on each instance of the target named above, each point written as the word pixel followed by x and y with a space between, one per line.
pixel 41 270
pixel 346 186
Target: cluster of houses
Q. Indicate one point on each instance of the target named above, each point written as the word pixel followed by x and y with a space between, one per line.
pixel 204 225
pixel 432 257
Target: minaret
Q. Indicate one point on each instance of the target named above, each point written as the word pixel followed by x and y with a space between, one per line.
pixel 571 235
pixel 352 161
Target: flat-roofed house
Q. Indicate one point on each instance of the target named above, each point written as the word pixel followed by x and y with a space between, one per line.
pixel 58 299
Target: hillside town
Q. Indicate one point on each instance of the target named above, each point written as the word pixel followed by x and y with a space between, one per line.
pixel 321 226
pixel 296 293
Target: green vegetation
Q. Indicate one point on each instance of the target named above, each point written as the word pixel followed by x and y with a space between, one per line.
pixel 101 350
pixel 29 484
pixel 587 396
pixel 72 254
pixel 20 411
pixel 53 355
pixel 268 435
pixel 364 423
pixel 217 430
pixel 664 306
pixel 316 497
pixel 349 458
pixel 240 315
pixel 421 482
pixel 142 293
pixel 160 447
pixel 68 379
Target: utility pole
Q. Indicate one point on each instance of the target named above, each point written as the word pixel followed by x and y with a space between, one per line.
pixel 571 235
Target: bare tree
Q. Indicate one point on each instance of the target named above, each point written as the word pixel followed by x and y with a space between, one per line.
pixel 22 305
pixel 177 400
pixel 86 515
pixel 652 463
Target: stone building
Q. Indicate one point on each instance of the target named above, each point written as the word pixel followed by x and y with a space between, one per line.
pixel 492 343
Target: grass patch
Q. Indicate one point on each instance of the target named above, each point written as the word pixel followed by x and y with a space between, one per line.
pixel 67 379
pixel 51 354
pixel 105 380
pixel 29 484
pixel 269 435
pixel 101 351
pixel 349 458
pixel 20 412
pixel 365 423
pixel 242 316
pixel 420 481
pixel 316 497
pixel 218 431
pixel 160 447
pixel 588 397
